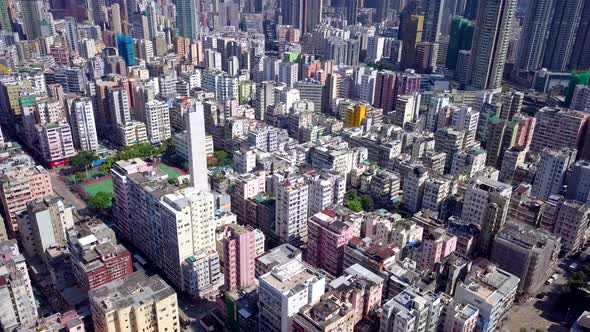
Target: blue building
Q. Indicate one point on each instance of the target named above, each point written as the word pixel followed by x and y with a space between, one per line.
pixel 126 49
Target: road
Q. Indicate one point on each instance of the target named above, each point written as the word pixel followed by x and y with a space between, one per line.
pixel 195 309
pixel 542 313
pixel 62 189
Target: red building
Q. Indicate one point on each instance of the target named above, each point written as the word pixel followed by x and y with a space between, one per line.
pixel 96 257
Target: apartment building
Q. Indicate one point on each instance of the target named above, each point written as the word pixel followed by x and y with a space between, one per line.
pixel 284 291
pixel 489 289
pixel 136 303
pixel 43 225
pixel 330 314
pixel 528 253
pixel 157 121
pixel 412 310
pixel 19 186
pixel 291 210
pixel 327 237
pixel 360 287
pixel 96 257
pixel 18 305
pixel 239 254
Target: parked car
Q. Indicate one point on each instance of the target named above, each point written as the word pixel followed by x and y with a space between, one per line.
pixel 549 281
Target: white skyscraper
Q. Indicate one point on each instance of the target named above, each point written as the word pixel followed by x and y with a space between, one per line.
pixel 196 144
pixel 83 125
pixel 157 121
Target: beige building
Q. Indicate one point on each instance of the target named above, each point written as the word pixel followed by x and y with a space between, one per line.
pixel 19 186
pixel 329 315
pixel 135 303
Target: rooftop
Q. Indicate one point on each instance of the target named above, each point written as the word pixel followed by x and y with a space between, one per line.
pixel 135 289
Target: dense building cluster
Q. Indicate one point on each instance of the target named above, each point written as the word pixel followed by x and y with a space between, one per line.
pixel 292 165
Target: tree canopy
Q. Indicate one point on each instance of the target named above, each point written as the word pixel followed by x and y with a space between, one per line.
pixel 102 200
pixel 82 160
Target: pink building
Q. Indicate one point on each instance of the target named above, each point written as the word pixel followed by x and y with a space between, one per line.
pixel 247 186
pixel 526 127
pixel 239 254
pixel 326 239
pixel 360 287
pixel 435 246
pixel 20 186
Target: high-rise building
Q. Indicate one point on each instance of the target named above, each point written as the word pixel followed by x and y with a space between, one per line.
pixel 551 171
pixel 5 24
pixel 461 38
pixel 528 253
pixel 119 106
pixel 324 190
pixel 534 33
pixel 96 257
pixel 327 236
pixel 56 143
pixel 329 314
pixel 20 186
pixel 32 14
pixel 571 224
pixel 83 125
pixel 139 302
pixel 565 21
pixel 71 32
pixel 489 289
pixel 413 191
pixel 285 290
pixel 501 136
pixel 197 147
pixel 411 37
pixel 43 225
pixel 126 49
pixel 578 182
pixel 580 59
pixel 450 142
pixel 435 16
pixel 486 204
pixel 18 305
pixel 291 210
pixel 157 121
pixel 188 18
pixel 239 256
pixel 411 310
pixel 581 98
pixel 496 19
pixel 557 128
pixel 385 91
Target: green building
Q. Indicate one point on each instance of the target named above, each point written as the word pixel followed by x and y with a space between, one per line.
pixel 461 38
pixel 578 78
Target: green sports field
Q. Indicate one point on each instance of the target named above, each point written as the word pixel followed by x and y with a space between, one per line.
pixel 171 171
pixel 105 185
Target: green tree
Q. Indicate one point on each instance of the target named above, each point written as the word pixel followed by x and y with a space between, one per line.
pixel 82 160
pixel 351 196
pixel 223 158
pixel 367 203
pixel 102 200
pixel 354 205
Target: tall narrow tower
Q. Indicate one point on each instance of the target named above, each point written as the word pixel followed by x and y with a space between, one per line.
pixel 490 43
pixel 534 33
pixel 196 147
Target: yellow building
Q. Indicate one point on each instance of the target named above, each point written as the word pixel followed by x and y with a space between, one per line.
pixel 135 303
pixel 355 116
pixel 11 91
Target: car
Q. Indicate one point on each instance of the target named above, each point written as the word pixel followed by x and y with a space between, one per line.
pixel 549 281
pixel 573 266
pixel 540 296
pixel 555 276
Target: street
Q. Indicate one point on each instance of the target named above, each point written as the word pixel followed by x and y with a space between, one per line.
pixel 62 190
pixel 195 310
